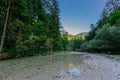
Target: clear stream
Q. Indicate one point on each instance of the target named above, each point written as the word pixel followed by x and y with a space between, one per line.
pixel 62 66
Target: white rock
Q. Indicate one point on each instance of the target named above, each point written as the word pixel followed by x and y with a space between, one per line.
pixel 75 72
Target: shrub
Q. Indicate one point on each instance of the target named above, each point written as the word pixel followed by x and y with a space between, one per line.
pixel 107 39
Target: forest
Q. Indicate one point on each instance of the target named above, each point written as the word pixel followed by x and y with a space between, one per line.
pixel 32 27
pixel 105 34
pixel 29 27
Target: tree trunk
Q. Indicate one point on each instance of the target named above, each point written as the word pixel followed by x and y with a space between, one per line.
pixel 51 48
pixel 4 29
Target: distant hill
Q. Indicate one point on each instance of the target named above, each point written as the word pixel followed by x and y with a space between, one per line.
pixel 70 37
pixel 80 35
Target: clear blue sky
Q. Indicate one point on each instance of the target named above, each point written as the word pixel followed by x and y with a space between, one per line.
pixel 77 15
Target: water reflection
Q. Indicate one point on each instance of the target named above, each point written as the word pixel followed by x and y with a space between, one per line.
pixel 68 68
pixel 71 66
pixel 72 71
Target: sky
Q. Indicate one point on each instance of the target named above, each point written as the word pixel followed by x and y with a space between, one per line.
pixel 77 15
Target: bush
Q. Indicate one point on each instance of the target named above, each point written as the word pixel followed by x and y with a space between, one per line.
pixel 107 39
pixel 114 18
pixel 83 46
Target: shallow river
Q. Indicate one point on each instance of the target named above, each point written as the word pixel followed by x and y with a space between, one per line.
pixel 70 66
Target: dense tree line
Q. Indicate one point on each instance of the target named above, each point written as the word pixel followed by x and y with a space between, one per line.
pixel 105 35
pixel 33 27
pixel 72 42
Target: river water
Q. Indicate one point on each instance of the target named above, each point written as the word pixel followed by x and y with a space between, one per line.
pixel 70 66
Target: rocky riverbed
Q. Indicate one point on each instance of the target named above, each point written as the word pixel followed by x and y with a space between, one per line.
pixel 70 66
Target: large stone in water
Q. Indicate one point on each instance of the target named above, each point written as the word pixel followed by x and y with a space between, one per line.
pixel 73 72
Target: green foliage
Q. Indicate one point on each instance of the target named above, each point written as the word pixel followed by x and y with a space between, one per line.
pixel 104 40
pixel 114 19
pixel 83 46
pixel 33 26
pixel 65 41
pixel 77 43
pixel 105 37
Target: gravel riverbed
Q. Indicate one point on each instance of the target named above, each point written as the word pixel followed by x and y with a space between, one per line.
pixel 71 66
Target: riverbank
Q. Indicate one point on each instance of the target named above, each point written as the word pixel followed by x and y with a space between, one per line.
pixel 115 57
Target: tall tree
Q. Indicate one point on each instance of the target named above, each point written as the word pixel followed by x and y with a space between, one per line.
pixel 111 6
pixel 5 27
pixel 54 24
